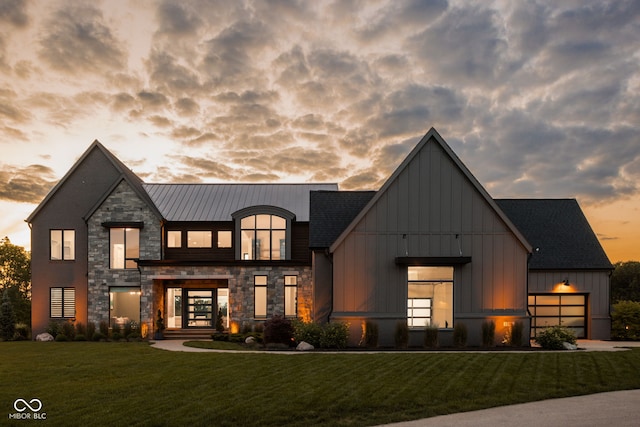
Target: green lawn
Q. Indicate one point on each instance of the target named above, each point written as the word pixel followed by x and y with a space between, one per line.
pixel 82 383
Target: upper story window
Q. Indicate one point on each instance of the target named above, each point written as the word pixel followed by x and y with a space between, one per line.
pixel 263 237
pixel 224 239
pixel 124 247
pixel 199 239
pixel 174 239
pixel 62 245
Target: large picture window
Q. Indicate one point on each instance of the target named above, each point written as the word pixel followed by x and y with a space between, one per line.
pixel 63 303
pixel 263 237
pixel 125 247
pixel 430 297
pixel 62 245
pixel 124 306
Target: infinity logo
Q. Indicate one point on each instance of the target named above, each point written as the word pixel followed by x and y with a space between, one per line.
pixel 21 405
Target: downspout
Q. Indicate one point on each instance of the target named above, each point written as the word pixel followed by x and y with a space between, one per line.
pixel 529 255
pixel 330 257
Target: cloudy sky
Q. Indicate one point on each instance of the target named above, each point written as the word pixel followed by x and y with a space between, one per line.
pixel 540 99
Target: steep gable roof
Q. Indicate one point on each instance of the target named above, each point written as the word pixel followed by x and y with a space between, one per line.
pixel 331 212
pixel 216 202
pixel 559 232
pixel 432 137
pixel 125 173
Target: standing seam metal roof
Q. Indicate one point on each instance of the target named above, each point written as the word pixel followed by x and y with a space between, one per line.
pixel 216 202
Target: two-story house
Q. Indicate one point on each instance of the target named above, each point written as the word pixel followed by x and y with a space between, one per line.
pixel 429 247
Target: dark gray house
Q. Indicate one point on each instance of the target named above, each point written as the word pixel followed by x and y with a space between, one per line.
pixel 430 247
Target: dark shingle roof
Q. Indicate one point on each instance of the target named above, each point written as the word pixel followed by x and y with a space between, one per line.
pixel 559 233
pixel 331 213
pixel 216 202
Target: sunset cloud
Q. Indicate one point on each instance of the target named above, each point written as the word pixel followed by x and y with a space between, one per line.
pixel 538 98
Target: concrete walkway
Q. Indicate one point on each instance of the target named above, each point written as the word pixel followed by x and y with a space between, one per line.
pixel 586 345
pixel 618 408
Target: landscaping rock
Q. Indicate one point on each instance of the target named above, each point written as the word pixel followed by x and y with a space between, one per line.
pixel 305 346
pixel 45 336
pixel 569 346
pixel 250 340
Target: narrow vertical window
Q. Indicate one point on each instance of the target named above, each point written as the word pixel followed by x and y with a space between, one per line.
pixel 124 247
pixel 62 303
pixel 62 245
pixel 260 296
pixel 290 296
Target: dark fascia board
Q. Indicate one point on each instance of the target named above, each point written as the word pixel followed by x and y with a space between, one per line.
pixel 94 144
pixel 432 261
pixel 236 263
pixel 123 224
pixel 435 136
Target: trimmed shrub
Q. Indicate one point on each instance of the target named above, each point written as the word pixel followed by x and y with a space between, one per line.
pixel 104 328
pixel 61 337
pixel 219 323
pixel 128 329
pixel 53 328
pixel 431 336
pixel 80 337
pixel 218 336
pixel 116 336
pixel 308 332
pixel 91 329
pixel 517 334
pixel 246 328
pixel 552 338
pixel 460 334
pixel 488 333
pixel 625 321
pixel 69 330
pixel 401 334
pixel 278 330
pixel 370 334
pixel 80 329
pixel 21 332
pixel 98 336
pixel 335 335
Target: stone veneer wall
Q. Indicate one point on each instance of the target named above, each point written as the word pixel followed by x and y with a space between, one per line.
pixel 122 205
pixel 240 282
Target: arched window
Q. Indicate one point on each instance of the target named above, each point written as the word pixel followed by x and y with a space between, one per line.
pixel 263 233
pixel 263 237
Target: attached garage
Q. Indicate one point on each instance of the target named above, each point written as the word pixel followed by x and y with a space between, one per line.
pixel 569 310
pixel 569 272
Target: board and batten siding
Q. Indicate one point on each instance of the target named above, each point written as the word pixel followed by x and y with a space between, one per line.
pixel 593 283
pixel 430 209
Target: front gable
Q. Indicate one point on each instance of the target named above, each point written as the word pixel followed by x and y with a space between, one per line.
pixel 431 210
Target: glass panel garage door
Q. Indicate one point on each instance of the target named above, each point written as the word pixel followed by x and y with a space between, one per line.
pixel 569 310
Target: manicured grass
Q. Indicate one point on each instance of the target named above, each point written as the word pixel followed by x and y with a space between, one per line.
pixel 82 383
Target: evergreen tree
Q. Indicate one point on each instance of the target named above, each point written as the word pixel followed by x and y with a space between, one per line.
pixel 7 319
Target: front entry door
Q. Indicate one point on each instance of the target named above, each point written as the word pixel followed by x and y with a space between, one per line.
pixel 199 308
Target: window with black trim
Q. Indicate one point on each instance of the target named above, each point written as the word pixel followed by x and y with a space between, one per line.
pixel 224 239
pixel 124 247
pixel 199 239
pixel 263 237
pixel 174 239
pixel 62 245
pixel 430 297
pixel 260 296
pixel 290 296
pixel 62 303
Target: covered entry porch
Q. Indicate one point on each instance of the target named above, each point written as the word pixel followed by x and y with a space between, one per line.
pixel 193 304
